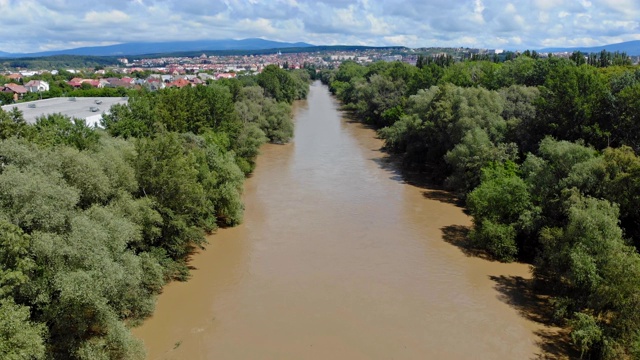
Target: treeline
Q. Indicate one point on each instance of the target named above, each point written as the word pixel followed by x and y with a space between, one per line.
pixel 94 222
pixel 545 153
pixel 58 61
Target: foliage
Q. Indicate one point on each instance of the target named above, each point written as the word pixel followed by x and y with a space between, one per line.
pixel 573 105
pixel 92 226
pixel 241 113
pixel 589 261
pixel 59 61
pixel 444 117
pixel 58 129
pixel 502 208
pixel 12 123
pixel 277 83
pixel 624 130
pixel 545 153
pixel 16 264
pixel 520 113
pixel 20 339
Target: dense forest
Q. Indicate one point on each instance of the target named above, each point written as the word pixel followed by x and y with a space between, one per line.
pixel 94 222
pixel 544 152
pixel 58 61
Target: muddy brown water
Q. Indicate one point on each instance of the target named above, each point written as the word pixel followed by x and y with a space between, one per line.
pixel 338 258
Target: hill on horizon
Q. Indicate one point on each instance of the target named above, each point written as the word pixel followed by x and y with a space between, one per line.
pixel 142 48
pixel 632 48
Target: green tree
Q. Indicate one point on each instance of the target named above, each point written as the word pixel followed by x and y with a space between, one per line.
pixel 34 199
pixel 276 122
pixel 277 83
pixel 468 157
pixel 625 130
pixel 57 129
pixel 574 105
pixel 590 264
pixel 551 171
pixel 168 172
pixel 502 208
pixel 578 58
pixel 523 123
pixel 14 258
pixel 445 114
pixel 12 123
pixel 20 338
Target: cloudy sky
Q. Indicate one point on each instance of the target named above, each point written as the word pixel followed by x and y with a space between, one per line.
pixel 38 25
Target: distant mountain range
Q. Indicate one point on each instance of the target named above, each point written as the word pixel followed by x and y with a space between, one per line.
pixel 142 48
pixel 632 48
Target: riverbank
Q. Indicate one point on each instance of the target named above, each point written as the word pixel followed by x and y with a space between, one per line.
pixel 340 257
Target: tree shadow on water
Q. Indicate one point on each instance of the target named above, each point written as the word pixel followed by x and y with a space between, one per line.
pixel 442 196
pixel 458 236
pixel 351 118
pixel 530 301
pixel 554 345
pixel 532 304
pixel 389 163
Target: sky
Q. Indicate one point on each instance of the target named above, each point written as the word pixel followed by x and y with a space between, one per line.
pixel 40 25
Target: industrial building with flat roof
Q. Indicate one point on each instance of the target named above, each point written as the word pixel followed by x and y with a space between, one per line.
pixel 89 109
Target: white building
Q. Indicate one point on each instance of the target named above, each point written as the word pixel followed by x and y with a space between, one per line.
pixel 37 86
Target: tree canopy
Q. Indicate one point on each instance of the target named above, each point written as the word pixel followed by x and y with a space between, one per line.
pixel 544 151
pixel 94 222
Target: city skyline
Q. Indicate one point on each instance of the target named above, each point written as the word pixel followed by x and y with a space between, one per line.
pixel 33 26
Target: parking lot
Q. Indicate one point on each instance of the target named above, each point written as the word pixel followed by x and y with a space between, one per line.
pixel 88 108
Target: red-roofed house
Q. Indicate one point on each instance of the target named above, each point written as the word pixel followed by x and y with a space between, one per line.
pixel 225 76
pixel 15 76
pixel 75 83
pixel 17 90
pixel 179 83
pixel 94 83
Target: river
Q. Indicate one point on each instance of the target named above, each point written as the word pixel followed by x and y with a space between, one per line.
pixel 339 258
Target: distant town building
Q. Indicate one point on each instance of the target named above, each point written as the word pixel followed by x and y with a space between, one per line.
pixel 15 76
pixel 37 86
pixel 225 76
pixel 18 91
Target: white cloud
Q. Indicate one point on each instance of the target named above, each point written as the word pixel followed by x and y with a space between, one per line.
pixel 262 26
pixel 401 40
pixel 113 16
pixel 514 24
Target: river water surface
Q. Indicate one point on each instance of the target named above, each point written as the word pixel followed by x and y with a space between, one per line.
pixel 338 258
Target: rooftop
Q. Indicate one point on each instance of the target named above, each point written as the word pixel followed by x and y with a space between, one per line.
pixel 81 108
